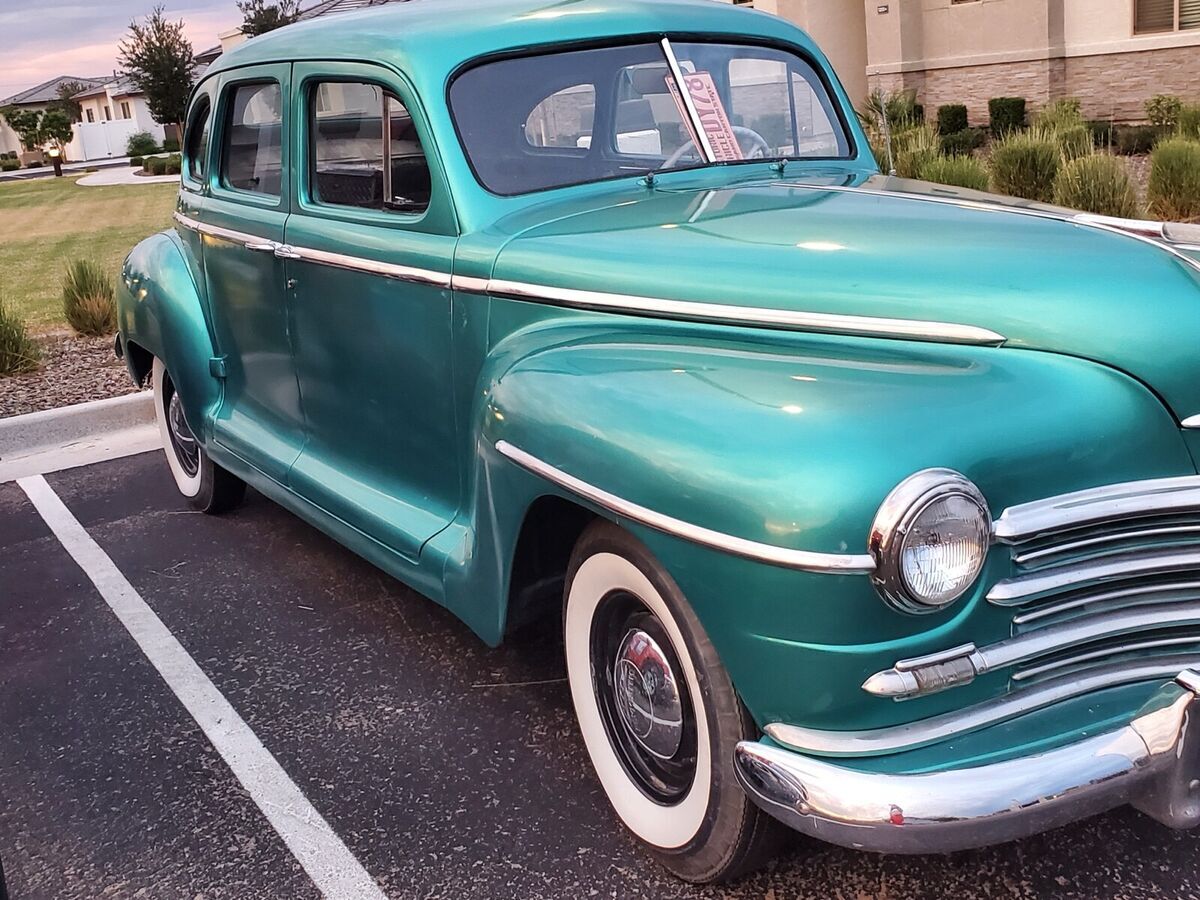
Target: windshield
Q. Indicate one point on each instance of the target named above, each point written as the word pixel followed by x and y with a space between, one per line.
pixel 538 122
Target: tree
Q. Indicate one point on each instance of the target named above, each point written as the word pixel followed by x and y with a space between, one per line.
pixel 65 92
pixel 261 16
pixel 159 60
pixel 27 123
pixel 56 127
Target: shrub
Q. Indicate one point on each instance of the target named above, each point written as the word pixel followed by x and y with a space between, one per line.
pixel 1188 122
pixel 18 351
pixel 170 145
pixel 1102 134
pixel 1099 184
pixel 1006 114
pixel 963 143
pixel 1025 165
pixel 885 117
pixel 952 118
pixel 148 164
pixel 1132 140
pixel 915 148
pixel 136 162
pixel 158 165
pixel 9 165
pixel 88 299
pixel 1163 109
pixel 1174 189
pixel 174 166
pixel 1060 115
pixel 34 164
pixel 960 171
pixel 141 143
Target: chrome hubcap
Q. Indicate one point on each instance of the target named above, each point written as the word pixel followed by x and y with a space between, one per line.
pixel 647 695
pixel 186 449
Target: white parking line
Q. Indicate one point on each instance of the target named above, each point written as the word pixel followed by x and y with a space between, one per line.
pixel 328 862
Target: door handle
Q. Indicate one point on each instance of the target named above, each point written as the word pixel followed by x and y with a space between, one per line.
pixel 261 246
pixel 283 251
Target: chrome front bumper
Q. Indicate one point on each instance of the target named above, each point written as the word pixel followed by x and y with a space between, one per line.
pixel 1152 763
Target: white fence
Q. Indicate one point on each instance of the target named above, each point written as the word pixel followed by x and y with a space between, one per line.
pixel 101 140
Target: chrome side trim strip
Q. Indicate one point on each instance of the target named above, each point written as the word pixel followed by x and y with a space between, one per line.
pixel 370 266
pixel 803 560
pixel 1014 591
pixel 249 241
pixel 469 284
pixel 1098 505
pixel 925 675
pixel 921 733
pixel 832 323
pixel 1191 421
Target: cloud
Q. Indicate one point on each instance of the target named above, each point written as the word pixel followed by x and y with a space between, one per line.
pixel 66 37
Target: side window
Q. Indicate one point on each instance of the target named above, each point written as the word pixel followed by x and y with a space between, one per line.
pixel 252 158
pixel 195 147
pixel 564 119
pixel 365 149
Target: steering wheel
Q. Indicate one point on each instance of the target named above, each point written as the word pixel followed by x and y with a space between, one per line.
pixel 759 148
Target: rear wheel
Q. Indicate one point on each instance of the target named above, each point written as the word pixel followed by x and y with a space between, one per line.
pixel 206 486
pixel 658 712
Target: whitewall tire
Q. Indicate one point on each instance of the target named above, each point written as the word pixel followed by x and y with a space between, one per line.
pixel 658 714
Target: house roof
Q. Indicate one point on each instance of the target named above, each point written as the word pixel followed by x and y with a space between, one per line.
pixel 47 90
pixel 327 7
pixel 122 86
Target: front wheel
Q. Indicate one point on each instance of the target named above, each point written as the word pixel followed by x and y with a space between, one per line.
pixel 206 486
pixel 658 712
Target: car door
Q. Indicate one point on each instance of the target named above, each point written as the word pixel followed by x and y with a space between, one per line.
pixel 371 242
pixel 260 419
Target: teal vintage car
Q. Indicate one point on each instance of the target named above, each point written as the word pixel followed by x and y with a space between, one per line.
pixel 868 506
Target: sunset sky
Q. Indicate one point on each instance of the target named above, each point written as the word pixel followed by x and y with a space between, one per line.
pixel 44 38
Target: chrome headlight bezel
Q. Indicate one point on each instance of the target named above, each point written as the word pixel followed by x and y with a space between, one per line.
pixel 900 510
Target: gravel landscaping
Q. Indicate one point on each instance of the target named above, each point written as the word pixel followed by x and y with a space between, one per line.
pixel 74 370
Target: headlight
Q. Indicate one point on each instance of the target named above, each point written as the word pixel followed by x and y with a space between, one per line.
pixel 929 540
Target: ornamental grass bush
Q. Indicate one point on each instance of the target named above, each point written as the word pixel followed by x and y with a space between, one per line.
pixel 1059 114
pixel 1187 122
pixel 88 299
pixel 1073 141
pixel 959 171
pixel 1099 184
pixel 1025 165
pixel 1174 189
pixel 916 148
pixel 18 351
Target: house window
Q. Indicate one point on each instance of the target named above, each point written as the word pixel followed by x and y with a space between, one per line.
pixel 366 151
pixel 91 115
pixel 1157 16
pixel 253 155
pixel 107 113
pixel 125 114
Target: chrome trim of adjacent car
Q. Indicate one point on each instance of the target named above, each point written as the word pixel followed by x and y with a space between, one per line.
pixel 804 560
pixel 876 741
pixel 926 675
pixel 761 317
pixel 1018 590
pixel 1149 762
pixel 1095 506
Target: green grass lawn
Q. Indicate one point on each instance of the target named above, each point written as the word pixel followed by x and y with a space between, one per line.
pixel 47 222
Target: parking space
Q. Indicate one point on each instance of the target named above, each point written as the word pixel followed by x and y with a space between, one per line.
pixel 445 768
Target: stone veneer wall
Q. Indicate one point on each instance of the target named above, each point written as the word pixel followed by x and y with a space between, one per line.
pixel 1113 85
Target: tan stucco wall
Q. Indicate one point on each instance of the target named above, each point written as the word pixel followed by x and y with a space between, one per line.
pixel 839 30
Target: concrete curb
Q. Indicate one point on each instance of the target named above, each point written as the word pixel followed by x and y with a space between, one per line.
pixel 42 442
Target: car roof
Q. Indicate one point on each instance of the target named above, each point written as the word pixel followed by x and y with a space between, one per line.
pixel 428 39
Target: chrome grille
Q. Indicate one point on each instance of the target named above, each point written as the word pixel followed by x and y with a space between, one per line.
pixel 1099 578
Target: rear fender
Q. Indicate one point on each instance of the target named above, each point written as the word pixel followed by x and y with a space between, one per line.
pixel 160 314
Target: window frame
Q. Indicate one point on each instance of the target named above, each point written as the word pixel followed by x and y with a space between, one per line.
pixel 1176 26
pixel 308 91
pixel 203 102
pixel 854 150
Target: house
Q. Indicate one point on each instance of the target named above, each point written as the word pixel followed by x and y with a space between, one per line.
pixel 110 112
pixel 1112 55
pixel 37 98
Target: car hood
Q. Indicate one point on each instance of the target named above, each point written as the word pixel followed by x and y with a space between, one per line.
pixel 884 248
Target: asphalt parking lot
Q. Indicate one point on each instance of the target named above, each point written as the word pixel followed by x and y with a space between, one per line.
pixel 445 768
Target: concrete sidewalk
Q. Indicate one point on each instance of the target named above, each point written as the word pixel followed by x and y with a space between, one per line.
pixel 124 176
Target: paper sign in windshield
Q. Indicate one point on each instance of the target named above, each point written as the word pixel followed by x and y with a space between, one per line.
pixel 711 112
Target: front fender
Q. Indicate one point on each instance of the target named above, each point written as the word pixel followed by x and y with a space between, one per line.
pixel 160 311
pixel 794 441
